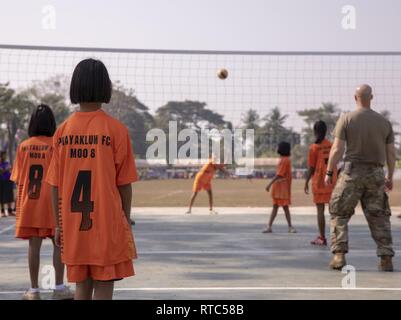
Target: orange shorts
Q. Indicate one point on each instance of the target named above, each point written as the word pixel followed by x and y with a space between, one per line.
pixel 321 198
pixel 79 273
pixel 198 186
pixel 281 202
pixel 27 232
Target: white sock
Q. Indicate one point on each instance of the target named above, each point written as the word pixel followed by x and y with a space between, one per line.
pixel 59 287
pixel 34 290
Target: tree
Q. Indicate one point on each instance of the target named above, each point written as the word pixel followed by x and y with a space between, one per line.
pixel 273 132
pixel 53 92
pixel 189 114
pixel 126 107
pixel 15 112
pixel 251 120
pixel 327 112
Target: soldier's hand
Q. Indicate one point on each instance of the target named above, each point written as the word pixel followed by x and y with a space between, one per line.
pixel 328 180
pixel 306 189
pixel 388 184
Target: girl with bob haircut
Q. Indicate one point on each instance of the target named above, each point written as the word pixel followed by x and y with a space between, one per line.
pixel 281 187
pixel 35 220
pixel 318 157
pixel 92 190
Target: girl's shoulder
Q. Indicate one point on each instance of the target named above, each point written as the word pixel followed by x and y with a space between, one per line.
pixel 284 160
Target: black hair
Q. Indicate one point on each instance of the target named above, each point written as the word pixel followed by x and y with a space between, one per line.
pixel 284 149
pixel 90 82
pixel 320 130
pixel 42 122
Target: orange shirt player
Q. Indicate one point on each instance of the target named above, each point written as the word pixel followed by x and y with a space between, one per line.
pixel 203 181
pixel 91 172
pixel 281 187
pixel 317 163
pixel 35 220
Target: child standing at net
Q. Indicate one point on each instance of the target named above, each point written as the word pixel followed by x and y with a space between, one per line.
pixel 317 163
pixel 281 187
pixel 35 220
pixel 91 173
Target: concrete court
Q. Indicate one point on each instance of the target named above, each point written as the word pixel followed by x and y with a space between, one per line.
pixel 226 256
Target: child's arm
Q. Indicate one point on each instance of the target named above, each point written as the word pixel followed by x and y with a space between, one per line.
pixel 54 196
pixel 126 199
pixel 309 175
pixel 276 177
pixel 224 170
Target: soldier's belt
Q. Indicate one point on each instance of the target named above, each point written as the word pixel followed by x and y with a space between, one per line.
pixel 362 165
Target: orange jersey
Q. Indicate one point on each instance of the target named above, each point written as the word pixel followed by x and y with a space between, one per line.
pixel 281 189
pixel 318 158
pixel 34 206
pixel 92 157
pixel 206 173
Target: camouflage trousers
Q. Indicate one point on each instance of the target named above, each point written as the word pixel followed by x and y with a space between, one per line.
pixel 364 184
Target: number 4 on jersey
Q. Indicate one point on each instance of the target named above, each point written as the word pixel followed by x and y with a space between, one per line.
pixel 81 199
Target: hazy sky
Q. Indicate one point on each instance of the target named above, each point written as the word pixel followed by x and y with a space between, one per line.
pixel 260 82
pixel 204 24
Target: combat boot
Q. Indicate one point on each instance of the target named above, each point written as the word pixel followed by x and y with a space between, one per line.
pixel 338 261
pixel 386 264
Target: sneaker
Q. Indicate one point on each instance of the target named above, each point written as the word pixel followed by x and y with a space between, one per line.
pixel 188 212
pixel 63 294
pixel 31 295
pixel 319 241
pixel 292 230
pixel 213 211
pixel 267 230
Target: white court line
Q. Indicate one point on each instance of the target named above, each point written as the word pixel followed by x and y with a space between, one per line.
pixel 257 289
pixel 237 252
pixel 7 229
pixel 236 289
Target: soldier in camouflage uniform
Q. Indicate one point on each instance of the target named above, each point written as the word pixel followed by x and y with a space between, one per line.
pixel 369 141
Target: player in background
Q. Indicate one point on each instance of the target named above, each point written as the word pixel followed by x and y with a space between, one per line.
pixel 281 187
pixel 203 181
pixel 6 186
pixel 318 158
pixel 91 172
pixel 35 220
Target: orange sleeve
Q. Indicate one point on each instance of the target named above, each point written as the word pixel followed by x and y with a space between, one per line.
pixel 282 167
pixel 16 172
pixel 125 161
pixel 312 157
pixel 52 176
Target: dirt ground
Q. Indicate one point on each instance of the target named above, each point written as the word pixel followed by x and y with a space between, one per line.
pixel 227 193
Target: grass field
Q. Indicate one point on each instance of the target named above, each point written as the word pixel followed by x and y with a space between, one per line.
pixel 227 193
